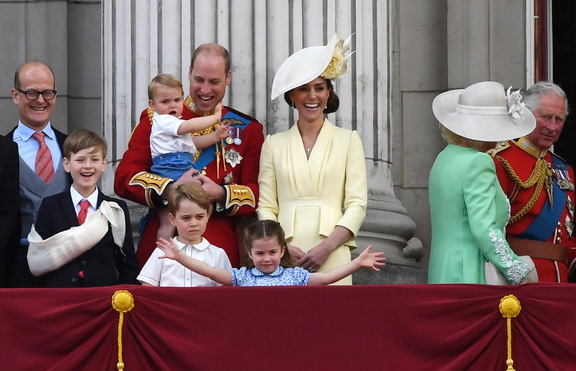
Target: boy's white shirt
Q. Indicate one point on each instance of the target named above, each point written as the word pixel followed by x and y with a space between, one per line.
pixel 77 197
pixel 164 137
pixel 170 273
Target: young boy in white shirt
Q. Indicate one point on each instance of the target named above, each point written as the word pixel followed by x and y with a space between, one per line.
pixel 189 211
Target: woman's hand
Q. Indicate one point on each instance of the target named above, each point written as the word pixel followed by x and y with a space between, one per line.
pixel 315 257
pixel 295 252
pixel 320 253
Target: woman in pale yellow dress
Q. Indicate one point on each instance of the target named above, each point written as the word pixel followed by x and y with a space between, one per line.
pixel 313 176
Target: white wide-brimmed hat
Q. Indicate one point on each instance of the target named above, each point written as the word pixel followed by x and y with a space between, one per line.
pixel 329 61
pixel 484 112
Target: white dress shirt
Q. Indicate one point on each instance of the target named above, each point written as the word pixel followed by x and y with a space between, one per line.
pixel 168 272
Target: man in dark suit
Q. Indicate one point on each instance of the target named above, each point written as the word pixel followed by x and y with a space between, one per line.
pixel 9 205
pixel 39 161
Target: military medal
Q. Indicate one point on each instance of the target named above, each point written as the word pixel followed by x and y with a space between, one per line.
pixel 233 157
pixel 237 136
pixel 564 181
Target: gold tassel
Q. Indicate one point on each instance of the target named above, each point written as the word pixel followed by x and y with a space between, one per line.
pixel 217 162
pixel 223 146
pixel 509 307
pixel 123 302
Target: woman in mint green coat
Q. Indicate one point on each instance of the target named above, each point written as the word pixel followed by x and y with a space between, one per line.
pixel 469 210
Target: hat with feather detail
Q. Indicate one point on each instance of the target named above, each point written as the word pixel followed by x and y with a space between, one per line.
pixel 329 61
pixel 485 112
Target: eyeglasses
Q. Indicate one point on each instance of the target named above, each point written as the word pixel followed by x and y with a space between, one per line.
pixel 33 94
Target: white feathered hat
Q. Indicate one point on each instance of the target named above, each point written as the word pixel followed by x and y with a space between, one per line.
pixel 329 61
pixel 484 112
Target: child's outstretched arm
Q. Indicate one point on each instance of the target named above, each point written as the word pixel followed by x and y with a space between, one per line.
pixel 365 259
pixel 203 141
pixel 172 251
pixel 200 123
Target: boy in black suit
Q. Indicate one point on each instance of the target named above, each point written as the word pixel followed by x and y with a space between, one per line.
pixel 81 236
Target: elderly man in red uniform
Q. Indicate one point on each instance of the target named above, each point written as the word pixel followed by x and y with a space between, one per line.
pixel 540 187
pixel 230 168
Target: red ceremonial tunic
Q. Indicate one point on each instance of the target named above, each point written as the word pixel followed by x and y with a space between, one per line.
pixel 522 157
pixel 134 182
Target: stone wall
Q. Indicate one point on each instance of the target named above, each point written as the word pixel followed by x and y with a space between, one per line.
pixel 66 35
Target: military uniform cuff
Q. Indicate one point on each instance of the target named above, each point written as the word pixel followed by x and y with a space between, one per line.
pixel 236 196
pixel 153 185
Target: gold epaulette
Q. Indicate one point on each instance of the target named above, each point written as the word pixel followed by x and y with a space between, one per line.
pixel 188 102
pixel 150 113
pixel 540 167
pixel 151 183
pixel 527 146
pixel 237 196
pixel 499 148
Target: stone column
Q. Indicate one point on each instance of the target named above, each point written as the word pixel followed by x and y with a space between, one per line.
pixel 388 228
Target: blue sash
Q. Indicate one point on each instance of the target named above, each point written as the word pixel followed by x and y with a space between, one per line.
pixel 547 219
pixel 208 153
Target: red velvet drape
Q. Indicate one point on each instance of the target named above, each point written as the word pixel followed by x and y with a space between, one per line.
pixel 391 327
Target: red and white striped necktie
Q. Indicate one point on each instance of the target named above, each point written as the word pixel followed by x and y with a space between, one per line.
pixel 44 165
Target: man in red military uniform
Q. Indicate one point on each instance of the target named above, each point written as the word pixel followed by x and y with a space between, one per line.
pixel 540 187
pixel 230 168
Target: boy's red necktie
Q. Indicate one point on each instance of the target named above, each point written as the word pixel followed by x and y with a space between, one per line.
pixel 83 211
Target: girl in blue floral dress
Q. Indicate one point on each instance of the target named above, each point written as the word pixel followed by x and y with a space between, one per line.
pixel 272 264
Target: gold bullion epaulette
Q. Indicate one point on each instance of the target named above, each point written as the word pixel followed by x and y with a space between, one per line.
pixel 499 148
